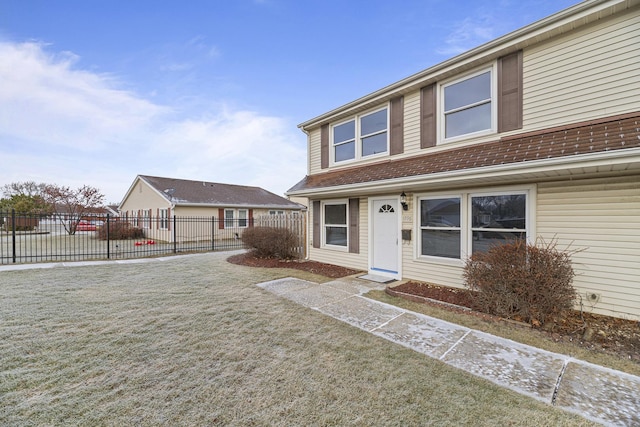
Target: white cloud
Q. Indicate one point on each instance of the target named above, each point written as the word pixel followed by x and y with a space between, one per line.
pixel 65 125
pixel 469 33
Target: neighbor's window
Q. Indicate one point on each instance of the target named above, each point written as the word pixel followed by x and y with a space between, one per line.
pixel 276 212
pixel 468 105
pixel 243 216
pixel 440 227
pixel 146 218
pixel 335 224
pixel 228 218
pixel 497 219
pixel 164 219
pixel 363 136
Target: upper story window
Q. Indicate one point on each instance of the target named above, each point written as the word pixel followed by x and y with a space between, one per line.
pixel 468 105
pixel 365 135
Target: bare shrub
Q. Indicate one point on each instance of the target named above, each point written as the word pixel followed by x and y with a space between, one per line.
pixel 271 242
pixel 522 281
pixel 120 230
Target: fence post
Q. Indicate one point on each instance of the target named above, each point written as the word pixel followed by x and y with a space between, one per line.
pixel 108 242
pixel 213 233
pixel 175 243
pixel 13 233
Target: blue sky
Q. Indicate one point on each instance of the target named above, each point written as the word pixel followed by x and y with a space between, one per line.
pixel 97 92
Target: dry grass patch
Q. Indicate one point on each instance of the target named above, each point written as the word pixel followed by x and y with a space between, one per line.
pixel 193 341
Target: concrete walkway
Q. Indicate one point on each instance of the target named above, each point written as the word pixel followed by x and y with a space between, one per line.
pixel 599 394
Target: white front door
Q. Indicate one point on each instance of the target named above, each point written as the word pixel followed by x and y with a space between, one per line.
pixel 384 236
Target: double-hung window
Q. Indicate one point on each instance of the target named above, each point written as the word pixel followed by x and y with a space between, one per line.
pixel 335 223
pixel 454 226
pixel 164 219
pixel 229 219
pixel 468 105
pixel 363 136
pixel 243 216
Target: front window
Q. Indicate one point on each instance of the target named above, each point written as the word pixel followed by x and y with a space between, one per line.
pixel 440 227
pixel 335 224
pixel 363 136
pixel 497 220
pixel 453 226
pixel 228 218
pixel 467 105
pixel 164 219
pixel 146 218
pixel 243 215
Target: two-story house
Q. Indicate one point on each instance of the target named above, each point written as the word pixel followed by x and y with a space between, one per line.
pixel 534 135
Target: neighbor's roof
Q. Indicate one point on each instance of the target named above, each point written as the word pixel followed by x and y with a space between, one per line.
pixel 188 192
pixel 575 143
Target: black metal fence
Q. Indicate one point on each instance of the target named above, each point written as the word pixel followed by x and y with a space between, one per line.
pixel 26 238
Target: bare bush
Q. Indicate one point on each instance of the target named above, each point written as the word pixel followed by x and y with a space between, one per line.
pixel 120 230
pixel 522 281
pixel 271 242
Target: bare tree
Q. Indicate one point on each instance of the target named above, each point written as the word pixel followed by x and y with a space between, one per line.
pixel 73 204
pixel 27 188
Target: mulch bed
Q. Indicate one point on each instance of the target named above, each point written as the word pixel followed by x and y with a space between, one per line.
pixel 327 270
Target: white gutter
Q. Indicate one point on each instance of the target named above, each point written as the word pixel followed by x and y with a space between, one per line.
pixel 609 158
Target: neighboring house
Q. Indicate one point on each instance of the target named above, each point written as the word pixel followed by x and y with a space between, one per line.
pixel 152 203
pixel 533 135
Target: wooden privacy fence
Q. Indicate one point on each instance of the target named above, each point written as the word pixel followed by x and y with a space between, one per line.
pixel 296 222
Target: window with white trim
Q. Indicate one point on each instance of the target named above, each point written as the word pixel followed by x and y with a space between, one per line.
pixel 468 105
pixel 146 218
pixel 452 226
pixel 334 222
pixel 440 227
pixel 363 136
pixel 229 218
pixel 243 218
pixel 497 219
pixel 164 219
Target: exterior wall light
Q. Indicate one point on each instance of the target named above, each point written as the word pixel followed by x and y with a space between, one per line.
pixel 403 201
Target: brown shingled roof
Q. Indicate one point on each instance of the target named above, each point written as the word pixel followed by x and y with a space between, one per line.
pixel 598 136
pixel 182 191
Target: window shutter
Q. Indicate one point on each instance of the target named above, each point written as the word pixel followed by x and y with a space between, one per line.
pixel 220 218
pixel 157 218
pixel 316 223
pixel 354 226
pixel 250 218
pixel 169 219
pixel 396 137
pixel 510 92
pixel 428 111
pixel 324 146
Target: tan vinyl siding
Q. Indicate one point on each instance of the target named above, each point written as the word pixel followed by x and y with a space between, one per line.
pixel 587 74
pixel 412 123
pixel 314 151
pixel 344 258
pixel 601 218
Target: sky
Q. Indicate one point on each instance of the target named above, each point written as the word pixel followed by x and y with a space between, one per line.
pixel 98 92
